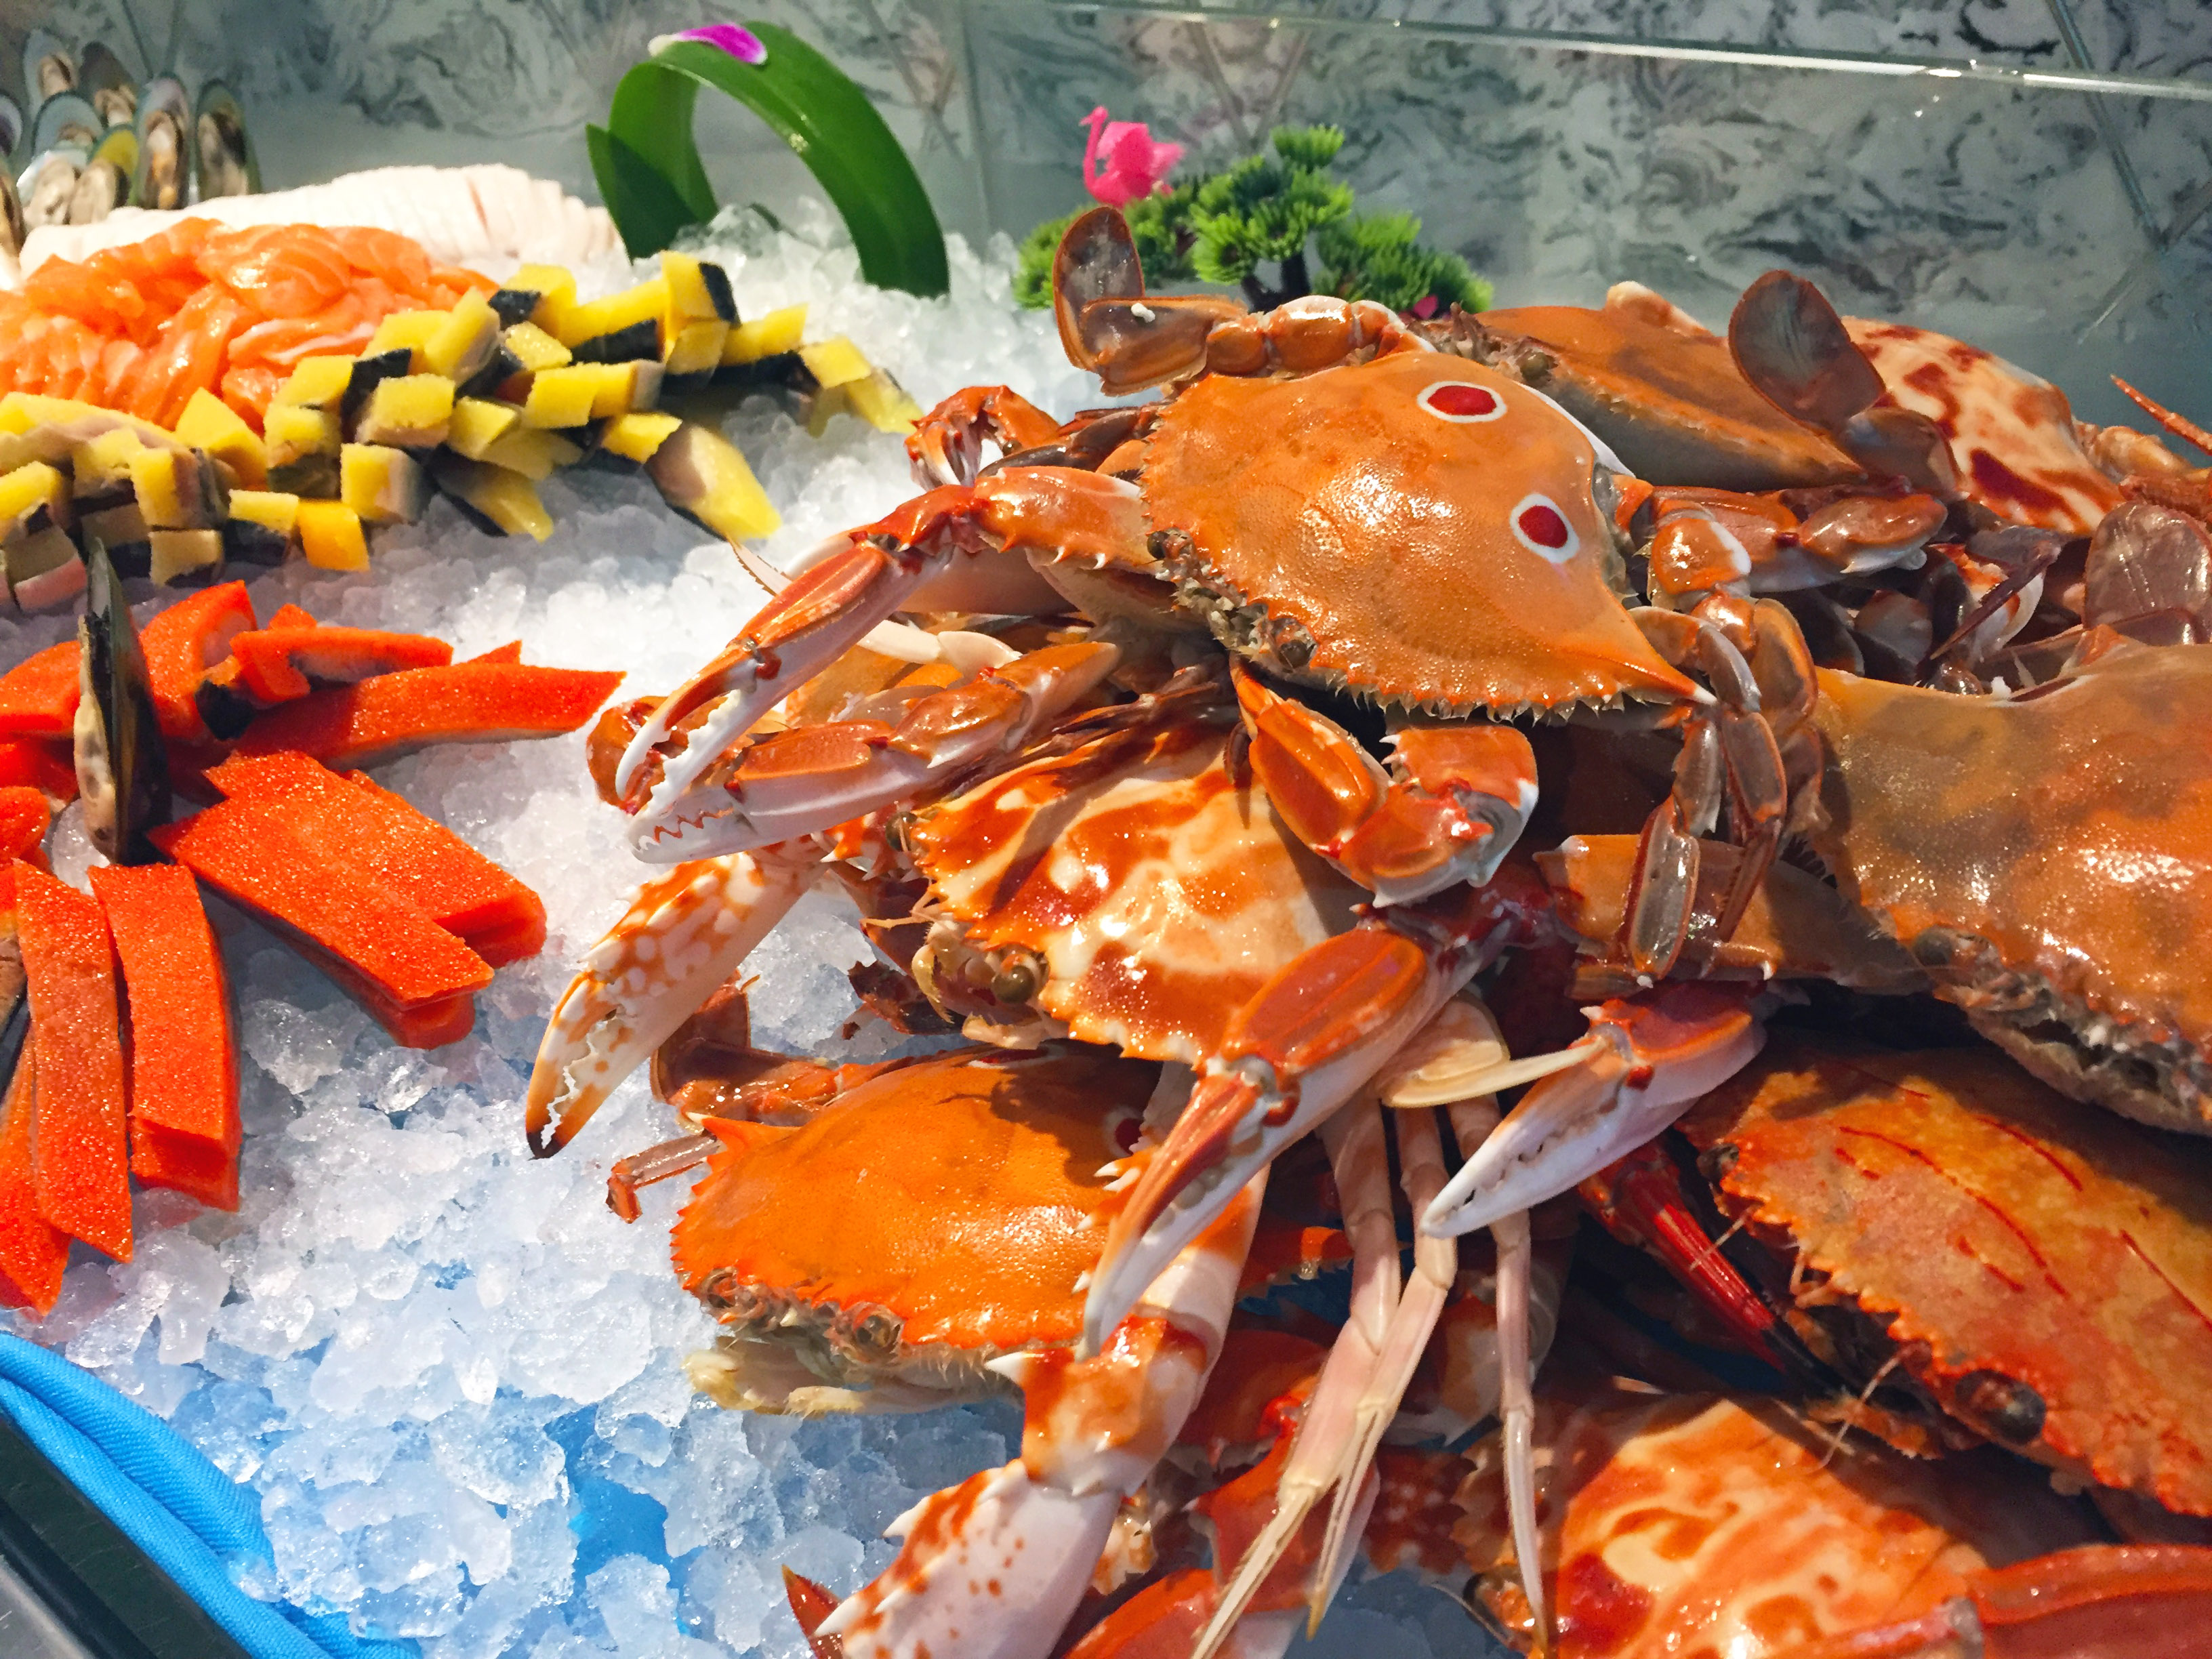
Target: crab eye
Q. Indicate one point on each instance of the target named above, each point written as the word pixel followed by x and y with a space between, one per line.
pixel 1462 401
pixel 1539 526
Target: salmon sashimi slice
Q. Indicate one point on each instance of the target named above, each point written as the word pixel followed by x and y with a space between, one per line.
pixel 350 821
pixel 394 958
pixel 279 270
pixel 250 388
pixel 80 1170
pixel 37 696
pixel 184 642
pixel 33 1251
pixel 44 764
pixel 277 664
pixel 184 1061
pixel 395 260
pixel 391 714
pixel 342 327
pixel 189 357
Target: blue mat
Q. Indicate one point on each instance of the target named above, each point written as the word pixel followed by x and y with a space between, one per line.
pixel 184 1512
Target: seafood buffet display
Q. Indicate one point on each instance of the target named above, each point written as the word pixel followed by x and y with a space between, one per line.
pixel 1722 815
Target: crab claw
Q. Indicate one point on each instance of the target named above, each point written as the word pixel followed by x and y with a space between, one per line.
pixel 817 619
pixel 683 934
pixel 1292 1055
pixel 1447 812
pixel 993 1568
pixel 1645 1059
pixel 1109 327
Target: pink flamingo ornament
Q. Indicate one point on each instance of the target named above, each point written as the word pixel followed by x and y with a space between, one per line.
pixel 1122 162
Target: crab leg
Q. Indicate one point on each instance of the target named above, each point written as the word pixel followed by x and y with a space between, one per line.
pixel 1447 812
pixel 946 443
pixel 1645 1059
pixel 1066 514
pixel 812 778
pixel 991 1568
pixel 683 935
pixel 1709 541
pixel 2112 1601
pixel 1292 1055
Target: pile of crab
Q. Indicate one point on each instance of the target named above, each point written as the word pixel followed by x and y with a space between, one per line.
pixel 1729 817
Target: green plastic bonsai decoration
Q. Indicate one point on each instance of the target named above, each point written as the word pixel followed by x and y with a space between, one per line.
pixel 1277 225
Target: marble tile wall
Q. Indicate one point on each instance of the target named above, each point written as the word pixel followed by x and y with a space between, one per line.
pixel 2037 221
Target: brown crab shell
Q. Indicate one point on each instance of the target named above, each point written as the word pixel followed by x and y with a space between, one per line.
pixel 2011 435
pixel 1349 529
pixel 1702 1524
pixel 2062 839
pixel 2044 1272
pixel 1159 887
pixel 946 1205
pixel 1674 406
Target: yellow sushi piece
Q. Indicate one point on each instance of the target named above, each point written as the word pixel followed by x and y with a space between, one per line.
pixel 381 484
pixel 289 431
pixel 272 509
pixel 646 302
pixel 532 452
pixel 535 349
pixel 410 412
pixel 177 553
pixel 507 500
pixel 466 342
pixel 882 403
pixel 103 464
pixel 210 424
pixel 478 423
pixel 30 491
pixel 771 336
pixel 413 330
pixel 636 437
pixel 703 476
pixel 331 536
pixel 316 383
pixel 556 289
pixel 563 397
pixel 835 363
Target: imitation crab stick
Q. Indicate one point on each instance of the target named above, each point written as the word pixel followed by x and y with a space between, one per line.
pixel 412 975
pixel 184 1065
pixel 465 702
pixel 78 1169
pixel 278 665
pixel 183 643
pixel 43 764
pixel 37 696
pixel 25 814
pixel 33 1251
pixel 351 822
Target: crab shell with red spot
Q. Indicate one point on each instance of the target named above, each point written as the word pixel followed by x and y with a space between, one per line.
pixel 2042 1272
pixel 2048 857
pixel 932 1219
pixel 1417 528
pixel 1700 1523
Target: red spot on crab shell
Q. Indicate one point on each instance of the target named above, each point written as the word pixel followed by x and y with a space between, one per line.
pixel 1543 525
pixel 1461 399
pixel 1999 483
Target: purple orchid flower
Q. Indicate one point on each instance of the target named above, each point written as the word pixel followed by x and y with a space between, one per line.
pixel 740 42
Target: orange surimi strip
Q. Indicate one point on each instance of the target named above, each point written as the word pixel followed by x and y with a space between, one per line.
pixel 32 1252
pixel 465 702
pixel 78 1168
pixel 37 696
pixel 185 642
pixel 183 1063
pixel 369 830
pixel 277 664
pixel 25 814
pixel 404 969
pixel 511 651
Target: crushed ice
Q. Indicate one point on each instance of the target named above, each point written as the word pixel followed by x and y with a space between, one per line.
pixel 453 1376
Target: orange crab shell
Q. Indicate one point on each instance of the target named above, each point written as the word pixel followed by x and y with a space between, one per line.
pixel 2007 1237
pixel 1160 889
pixel 2011 435
pixel 1693 1524
pixel 952 1197
pixel 1418 528
pixel 1674 405
pixel 2072 830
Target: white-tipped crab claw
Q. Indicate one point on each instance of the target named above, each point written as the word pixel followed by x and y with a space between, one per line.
pixel 1656 1053
pixel 812 778
pixel 993 1568
pixel 683 934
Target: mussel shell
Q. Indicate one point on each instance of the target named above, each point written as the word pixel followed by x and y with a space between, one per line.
pixel 223 162
pixel 67 119
pixel 12 227
pixel 163 170
pixel 42 48
pixel 122 771
pixel 49 205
